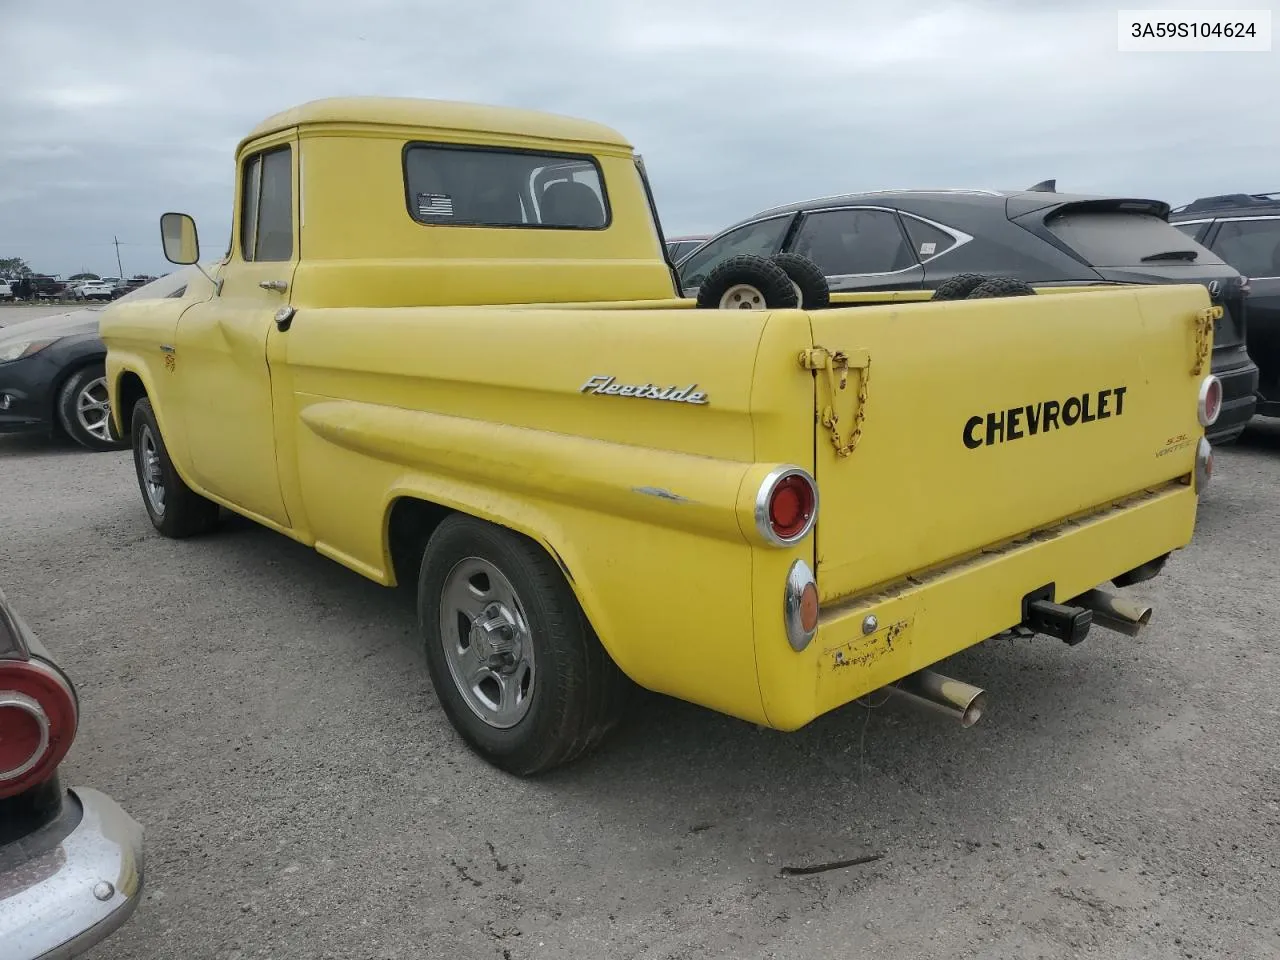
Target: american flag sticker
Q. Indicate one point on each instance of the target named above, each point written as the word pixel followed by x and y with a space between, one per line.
pixel 435 205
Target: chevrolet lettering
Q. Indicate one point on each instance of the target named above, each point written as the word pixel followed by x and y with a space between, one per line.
pixel 644 391
pixel 415 421
pixel 1026 421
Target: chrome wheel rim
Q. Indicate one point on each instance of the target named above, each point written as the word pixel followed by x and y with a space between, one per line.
pixel 93 410
pixel 742 296
pixel 149 468
pixel 487 643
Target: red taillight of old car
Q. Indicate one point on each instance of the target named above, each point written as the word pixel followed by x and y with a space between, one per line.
pixel 786 506
pixel 1210 402
pixel 38 717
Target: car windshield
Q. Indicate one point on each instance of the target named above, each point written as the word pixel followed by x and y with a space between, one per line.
pixel 1107 238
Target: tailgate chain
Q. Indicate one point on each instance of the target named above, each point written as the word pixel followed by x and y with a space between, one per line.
pixel 1204 336
pixel 838 364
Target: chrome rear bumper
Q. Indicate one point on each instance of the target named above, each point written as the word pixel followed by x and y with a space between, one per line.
pixel 58 903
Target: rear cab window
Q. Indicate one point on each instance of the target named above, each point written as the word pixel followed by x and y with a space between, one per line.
pixel 1118 238
pixel 450 185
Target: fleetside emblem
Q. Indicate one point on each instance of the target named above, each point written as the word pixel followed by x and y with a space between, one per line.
pixel 608 386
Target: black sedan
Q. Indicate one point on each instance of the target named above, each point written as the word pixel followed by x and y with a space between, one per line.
pixel 52 372
pixel 71 860
pixel 916 239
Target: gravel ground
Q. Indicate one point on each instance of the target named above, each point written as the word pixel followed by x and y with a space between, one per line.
pixel 266 715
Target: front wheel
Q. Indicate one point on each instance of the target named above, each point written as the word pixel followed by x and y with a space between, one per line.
pixel 84 410
pixel 174 508
pixel 517 667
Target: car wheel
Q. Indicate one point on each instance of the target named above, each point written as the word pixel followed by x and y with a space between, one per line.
pixel 959 286
pixel 1001 287
pixel 174 508
pixel 84 410
pixel 516 666
pixel 747 283
pixel 807 278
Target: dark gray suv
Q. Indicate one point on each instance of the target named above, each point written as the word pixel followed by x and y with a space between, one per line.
pixel 1244 230
pixel 915 239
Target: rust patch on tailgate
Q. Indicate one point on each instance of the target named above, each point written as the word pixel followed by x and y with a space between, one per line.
pixel 865 652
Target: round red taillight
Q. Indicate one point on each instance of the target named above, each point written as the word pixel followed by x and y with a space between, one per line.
pixel 38 717
pixel 786 505
pixel 1210 404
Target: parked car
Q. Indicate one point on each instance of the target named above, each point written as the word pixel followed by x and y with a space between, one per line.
pixel 680 247
pixel 6 291
pixel 1244 230
pixel 916 239
pixel 46 288
pixel 52 377
pixel 71 860
pixel 93 290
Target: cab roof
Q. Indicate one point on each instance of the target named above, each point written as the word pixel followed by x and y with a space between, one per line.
pixel 438 115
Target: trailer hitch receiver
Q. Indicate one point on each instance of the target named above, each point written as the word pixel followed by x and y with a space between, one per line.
pixel 1043 615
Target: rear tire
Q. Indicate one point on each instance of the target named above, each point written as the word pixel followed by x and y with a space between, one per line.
pixel 959 286
pixel 1002 287
pixel 747 283
pixel 84 410
pixel 175 509
pixel 815 293
pixel 514 661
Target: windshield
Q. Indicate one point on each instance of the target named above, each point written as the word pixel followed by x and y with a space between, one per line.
pixel 1120 239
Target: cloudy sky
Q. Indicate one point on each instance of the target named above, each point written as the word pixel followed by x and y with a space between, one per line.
pixel 110 115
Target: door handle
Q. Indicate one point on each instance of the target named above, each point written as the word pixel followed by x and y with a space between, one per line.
pixel 278 285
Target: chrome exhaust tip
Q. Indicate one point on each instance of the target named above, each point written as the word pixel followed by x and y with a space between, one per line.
pixel 955 698
pixel 1115 613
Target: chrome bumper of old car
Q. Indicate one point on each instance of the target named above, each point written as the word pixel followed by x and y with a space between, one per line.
pixel 59 902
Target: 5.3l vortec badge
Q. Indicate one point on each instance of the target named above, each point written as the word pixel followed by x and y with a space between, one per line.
pixel 1026 421
pixel 645 391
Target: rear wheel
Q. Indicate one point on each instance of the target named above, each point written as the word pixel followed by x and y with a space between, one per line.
pixel 84 410
pixel 747 283
pixel 808 279
pixel 516 665
pixel 174 508
pixel 1001 287
pixel 959 286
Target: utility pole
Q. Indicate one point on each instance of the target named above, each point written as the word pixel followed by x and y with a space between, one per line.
pixel 119 268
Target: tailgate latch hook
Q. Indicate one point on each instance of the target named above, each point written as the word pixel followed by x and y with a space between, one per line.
pixel 837 365
pixel 1204 336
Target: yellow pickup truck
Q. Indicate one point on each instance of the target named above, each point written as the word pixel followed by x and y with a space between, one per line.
pixel 445 345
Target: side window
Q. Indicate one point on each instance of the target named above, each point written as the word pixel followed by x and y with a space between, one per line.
pixel 926 239
pixel 1195 230
pixel 846 242
pixel 266 214
pixel 1251 246
pixel 760 239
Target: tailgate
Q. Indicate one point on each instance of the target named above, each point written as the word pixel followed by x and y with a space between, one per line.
pixel 987 420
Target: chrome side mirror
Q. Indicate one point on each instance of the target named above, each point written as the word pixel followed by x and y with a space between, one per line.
pixel 181 242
